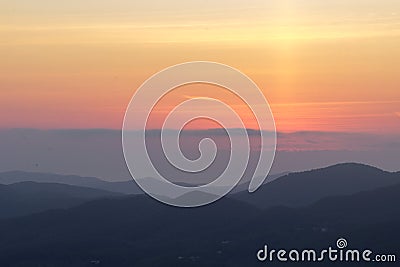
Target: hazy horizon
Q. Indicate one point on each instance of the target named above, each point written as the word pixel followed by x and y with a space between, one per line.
pixel 98 152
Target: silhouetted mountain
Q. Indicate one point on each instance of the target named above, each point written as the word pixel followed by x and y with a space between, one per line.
pixel 139 231
pixel 125 187
pixel 133 228
pixel 299 189
pixel 243 186
pixel 29 197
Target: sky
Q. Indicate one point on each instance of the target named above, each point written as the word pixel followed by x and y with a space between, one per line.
pixel 329 70
pixel 322 65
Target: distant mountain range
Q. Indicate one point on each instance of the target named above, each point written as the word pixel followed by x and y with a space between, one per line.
pixel 30 197
pixel 124 187
pixel 300 210
pixel 138 231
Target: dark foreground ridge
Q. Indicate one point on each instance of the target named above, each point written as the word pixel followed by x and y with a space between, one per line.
pixel 139 231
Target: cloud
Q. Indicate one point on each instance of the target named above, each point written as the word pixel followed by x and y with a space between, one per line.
pixel 336 141
pixel 98 152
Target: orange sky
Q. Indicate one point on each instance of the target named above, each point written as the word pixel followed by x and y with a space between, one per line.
pixel 323 65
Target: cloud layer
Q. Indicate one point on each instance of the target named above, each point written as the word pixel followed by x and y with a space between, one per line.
pixel 99 152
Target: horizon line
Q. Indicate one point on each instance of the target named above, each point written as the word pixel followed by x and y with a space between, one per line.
pixel 95 129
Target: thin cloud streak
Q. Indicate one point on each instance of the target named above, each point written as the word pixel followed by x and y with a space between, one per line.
pixel 335 103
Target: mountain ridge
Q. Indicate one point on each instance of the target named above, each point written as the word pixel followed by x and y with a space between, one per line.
pixel 125 187
pixel 127 231
pixel 25 198
pixel 304 188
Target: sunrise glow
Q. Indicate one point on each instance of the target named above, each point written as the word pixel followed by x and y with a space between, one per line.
pixel 322 65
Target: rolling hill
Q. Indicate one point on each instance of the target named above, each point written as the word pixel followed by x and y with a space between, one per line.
pixel 142 232
pixel 304 188
pixel 30 197
pixel 124 187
